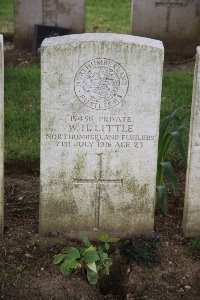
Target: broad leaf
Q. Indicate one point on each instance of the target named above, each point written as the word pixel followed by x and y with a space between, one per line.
pixel 73 253
pixel 85 239
pixel 59 258
pixel 107 262
pixel 73 264
pixel 68 266
pixel 169 172
pixel 92 276
pixel 106 271
pixel 100 251
pixel 103 256
pixel 103 237
pixel 90 255
pixel 92 266
pixel 162 196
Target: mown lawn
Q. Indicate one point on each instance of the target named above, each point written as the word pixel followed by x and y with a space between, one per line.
pixel 108 16
pixel 22 112
pixel 6 16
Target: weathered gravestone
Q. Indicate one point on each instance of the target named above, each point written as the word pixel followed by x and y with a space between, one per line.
pixel 1 135
pixel 68 14
pixel 175 22
pixel 191 220
pixel 99 133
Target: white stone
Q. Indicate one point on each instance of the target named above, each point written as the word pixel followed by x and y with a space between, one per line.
pixel 100 113
pixel 191 219
pixel 62 13
pixel 1 136
pixel 175 22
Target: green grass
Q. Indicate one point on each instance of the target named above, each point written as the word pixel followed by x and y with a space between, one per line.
pixel 177 95
pixel 108 16
pixel 101 16
pixel 6 16
pixel 176 92
pixel 22 112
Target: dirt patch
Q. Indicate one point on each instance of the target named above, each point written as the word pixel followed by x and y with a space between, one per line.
pixel 180 63
pixel 27 272
pixel 15 57
pixel 23 57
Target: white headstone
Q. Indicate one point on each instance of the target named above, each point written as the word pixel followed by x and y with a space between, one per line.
pixel 191 220
pixel 1 136
pixel 63 13
pixel 175 22
pixel 99 133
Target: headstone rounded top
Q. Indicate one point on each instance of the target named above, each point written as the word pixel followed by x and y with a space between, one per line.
pixel 100 114
pixel 102 37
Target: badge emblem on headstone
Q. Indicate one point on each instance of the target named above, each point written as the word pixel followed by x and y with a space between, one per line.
pixel 101 83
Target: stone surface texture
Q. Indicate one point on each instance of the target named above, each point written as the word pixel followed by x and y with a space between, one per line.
pixel 100 111
pixel 175 22
pixel 191 219
pixel 62 13
pixel 1 136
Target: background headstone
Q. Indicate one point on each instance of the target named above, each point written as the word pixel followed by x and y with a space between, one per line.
pixel 175 22
pixel 99 132
pixel 1 136
pixel 69 14
pixel 191 220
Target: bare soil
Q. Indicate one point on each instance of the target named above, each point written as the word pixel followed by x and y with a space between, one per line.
pixel 15 57
pixel 27 272
pixel 22 57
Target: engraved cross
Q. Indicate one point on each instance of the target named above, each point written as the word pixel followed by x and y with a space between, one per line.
pixel 169 4
pixel 99 181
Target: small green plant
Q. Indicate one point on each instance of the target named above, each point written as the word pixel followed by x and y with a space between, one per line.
pixel 94 260
pixel 171 129
pixel 143 250
pixel 196 243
